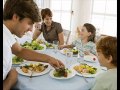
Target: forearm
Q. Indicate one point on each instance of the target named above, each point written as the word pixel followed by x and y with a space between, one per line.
pixel 34 37
pixel 32 55
pixel 7 84
pixel 36 34
pixel 10 80
pixel 68 46
pixel 61 42
pixel 61 39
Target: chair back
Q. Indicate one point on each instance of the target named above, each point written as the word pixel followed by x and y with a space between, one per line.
pixel 66 35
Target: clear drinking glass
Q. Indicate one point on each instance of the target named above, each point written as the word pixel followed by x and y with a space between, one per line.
pixel 80 57
pixel 69 55
pixel 55 43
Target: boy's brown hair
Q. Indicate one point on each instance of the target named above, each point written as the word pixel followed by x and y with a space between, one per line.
pixel 108 46
pixel 23 8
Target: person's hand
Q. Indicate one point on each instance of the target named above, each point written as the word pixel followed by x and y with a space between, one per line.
pixel 37 25
pixel 55 63
pixel 60 46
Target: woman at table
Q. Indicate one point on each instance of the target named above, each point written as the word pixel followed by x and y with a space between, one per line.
pixel 86 42
pixel 107 56
pixel 52 31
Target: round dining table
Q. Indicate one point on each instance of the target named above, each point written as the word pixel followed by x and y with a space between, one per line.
pixel 46 82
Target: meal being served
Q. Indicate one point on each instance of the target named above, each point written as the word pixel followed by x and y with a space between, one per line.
pixel 85 69
pixel 17 60
pixel 62 72
pixel 34 67
pixel 49 45
pixel 74 51
pixel 34 45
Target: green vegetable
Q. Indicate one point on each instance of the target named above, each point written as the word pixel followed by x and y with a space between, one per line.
pixel 61 72
pixel 75 51
pixel 49 45
pixel 34 45
pixel 17 60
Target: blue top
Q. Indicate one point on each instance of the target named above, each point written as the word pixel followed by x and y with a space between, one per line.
pixel 89 46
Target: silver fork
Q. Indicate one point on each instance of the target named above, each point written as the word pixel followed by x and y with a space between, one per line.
pixel 31 73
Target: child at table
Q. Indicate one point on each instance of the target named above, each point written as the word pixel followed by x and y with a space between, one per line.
pixel 86 42
pixel 107 56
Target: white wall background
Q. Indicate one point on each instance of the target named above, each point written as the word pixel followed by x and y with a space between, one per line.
pixel 81 15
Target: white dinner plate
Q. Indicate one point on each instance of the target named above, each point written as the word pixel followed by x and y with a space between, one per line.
pixel 87 74
pixel 90 58
pixel 34 73
pixel 64 50
pixel 70 75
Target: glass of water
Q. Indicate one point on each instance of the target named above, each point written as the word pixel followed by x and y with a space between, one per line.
pixel 69 55
pixel 55 43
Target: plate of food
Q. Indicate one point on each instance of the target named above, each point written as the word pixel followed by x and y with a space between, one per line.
pixel 62 73
pixel 34 45
pixel 64 51
pixel 42 46
pixel 86 70
pixel 49 45
pixel 17 60
pixel 34 68
pixel 75 52
pixel 90 58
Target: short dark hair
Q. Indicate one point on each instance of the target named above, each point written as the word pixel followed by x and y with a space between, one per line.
pixel 108 46
pixel 92 29
pixel 23 8
pixel 45 12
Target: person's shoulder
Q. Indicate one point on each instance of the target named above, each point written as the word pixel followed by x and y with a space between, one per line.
pixel 90 43
pixel 107 79
pixel 107 75
pixel 57 23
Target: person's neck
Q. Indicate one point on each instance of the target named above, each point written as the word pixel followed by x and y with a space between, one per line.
pixel 84 41
pixel 48 28
pixel 9 25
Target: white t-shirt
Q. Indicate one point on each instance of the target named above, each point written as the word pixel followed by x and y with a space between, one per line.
pixel 8 41
pixel 106 80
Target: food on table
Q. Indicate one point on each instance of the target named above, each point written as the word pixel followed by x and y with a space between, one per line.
pixel 40 41
pixel 65 50
pixel 34 67
pixel 85 68
pixel 34 45
pixel 61 72
pixel 17 60
pixel 75 51
pixel 49 45
pixel 25 70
